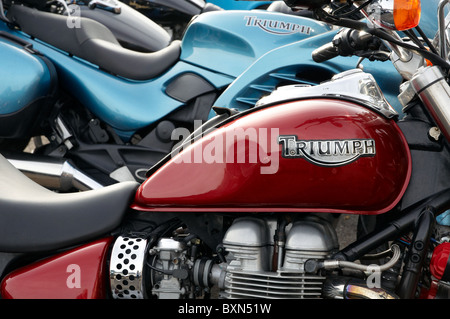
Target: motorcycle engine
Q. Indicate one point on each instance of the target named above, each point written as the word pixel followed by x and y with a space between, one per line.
pixel 254 270
pixel 259 258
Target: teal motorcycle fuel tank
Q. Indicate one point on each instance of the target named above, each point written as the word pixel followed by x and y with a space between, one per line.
pixel 27 84
pixel 229 42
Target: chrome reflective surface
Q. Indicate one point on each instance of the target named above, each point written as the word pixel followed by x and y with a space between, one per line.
pixel 54 173
pixel 382 13
pixel 354 85
pixel 431 86
pixel 126 268
pixel 248 272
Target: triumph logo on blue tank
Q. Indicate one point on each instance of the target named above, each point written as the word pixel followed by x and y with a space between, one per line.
pixel 326 152
pixel 276 26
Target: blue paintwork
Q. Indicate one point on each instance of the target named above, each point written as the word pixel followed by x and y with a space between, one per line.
pixel 295 57
pixel 24 76
pixel 231 50
pixel 289 60
pixel 214 47
pixel 124 104
pixel 428 19
pixel 229 42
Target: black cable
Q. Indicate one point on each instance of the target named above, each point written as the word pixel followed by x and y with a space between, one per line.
pixel 414 38
pixel 166 272
pixel 427 41
pixel 362 26
pixel 356 9
pixel 434 58
pixel 349 4
pixel 382 34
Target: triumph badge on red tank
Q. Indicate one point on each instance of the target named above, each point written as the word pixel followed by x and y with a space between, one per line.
pixel 326 152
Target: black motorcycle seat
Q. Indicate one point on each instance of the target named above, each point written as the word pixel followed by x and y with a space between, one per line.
pixel 93 42
pixel 35 219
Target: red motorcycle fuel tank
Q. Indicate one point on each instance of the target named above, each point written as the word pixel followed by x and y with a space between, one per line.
pixel 314 155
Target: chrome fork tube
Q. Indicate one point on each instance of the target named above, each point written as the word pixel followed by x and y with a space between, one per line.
pixel 431 86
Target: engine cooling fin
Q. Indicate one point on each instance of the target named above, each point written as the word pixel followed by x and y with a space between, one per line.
pixel 270 285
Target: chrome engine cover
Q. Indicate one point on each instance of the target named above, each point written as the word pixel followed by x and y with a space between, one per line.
pixel 250 245
pixel 256 262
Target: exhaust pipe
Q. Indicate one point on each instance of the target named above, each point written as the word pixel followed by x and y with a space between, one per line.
pixel 53 173
pixel 352 288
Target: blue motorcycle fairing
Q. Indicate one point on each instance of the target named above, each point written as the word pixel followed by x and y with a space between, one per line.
pixel 128 106
pixel 293 64
pixel 27 88
pixel 229 41
pixel 25 78
pixel 124 104
pixel 260 78
pixel 428 21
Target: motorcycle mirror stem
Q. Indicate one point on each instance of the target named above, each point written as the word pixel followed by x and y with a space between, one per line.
pixel 394 15
pixel 441 31
pixel 397 15
pixel 384 18
pixel 391 14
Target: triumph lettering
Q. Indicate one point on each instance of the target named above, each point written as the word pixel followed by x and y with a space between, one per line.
pixel 276 27
pixel 326 152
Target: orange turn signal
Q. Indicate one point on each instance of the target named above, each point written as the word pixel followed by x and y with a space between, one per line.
pixel 406 14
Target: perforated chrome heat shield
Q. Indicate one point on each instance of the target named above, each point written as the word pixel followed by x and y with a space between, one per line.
pixel 126 268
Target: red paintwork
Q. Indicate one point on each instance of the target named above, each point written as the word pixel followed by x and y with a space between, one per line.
pixel 370 185
pixel 431 292
pixel 440 260
pixel 50 278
